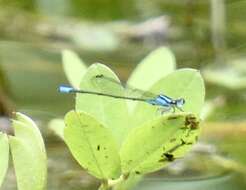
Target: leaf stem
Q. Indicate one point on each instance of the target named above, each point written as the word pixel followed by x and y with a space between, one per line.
pixel 112 183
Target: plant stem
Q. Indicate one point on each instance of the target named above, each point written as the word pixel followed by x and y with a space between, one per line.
pixel 112 183
pixel 107 185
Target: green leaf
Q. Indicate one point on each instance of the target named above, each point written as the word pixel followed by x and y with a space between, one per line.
pixel 155 66
pixel 92 145
pixel 231 75
pixel 57 125
pixel 4 156
pixel 31 127
pixel 145 148
pixel 95 38
pixel 73 66
pixel 29 156
pixel 111 112
pixel 182 83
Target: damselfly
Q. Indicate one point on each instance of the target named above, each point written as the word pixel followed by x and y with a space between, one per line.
pixel 161 100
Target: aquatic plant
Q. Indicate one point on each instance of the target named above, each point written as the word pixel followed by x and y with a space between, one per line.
pixel 118 140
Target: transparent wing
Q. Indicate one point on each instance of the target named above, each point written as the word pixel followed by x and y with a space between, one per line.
pixel 108 82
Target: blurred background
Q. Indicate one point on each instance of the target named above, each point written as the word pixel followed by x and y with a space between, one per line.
pixel 209 35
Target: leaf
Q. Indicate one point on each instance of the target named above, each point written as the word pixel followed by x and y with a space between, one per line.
pixel 226 78
pixel 4 156
pixel 73 66
pixel 111 112
pixel 155 66
pixel 144 141
pixel 57 125
pixel 92 145
pixel 28 152
pixel 95 38
pixel 182 83
pixel 231 75
pixel 31 128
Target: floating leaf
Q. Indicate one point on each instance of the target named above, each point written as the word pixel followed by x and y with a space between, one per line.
pixel 143 150
pixel 92 145
pixel 183 83
pixel 73 66
pixel 4 156
pixel 29 157
pixel 109 111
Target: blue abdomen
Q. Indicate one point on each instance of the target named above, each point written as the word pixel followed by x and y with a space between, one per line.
pixel 160 101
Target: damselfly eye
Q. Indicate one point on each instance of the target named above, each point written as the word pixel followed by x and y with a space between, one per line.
pixel 180 102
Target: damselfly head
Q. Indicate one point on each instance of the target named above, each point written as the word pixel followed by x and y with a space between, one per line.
pixel 180 102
